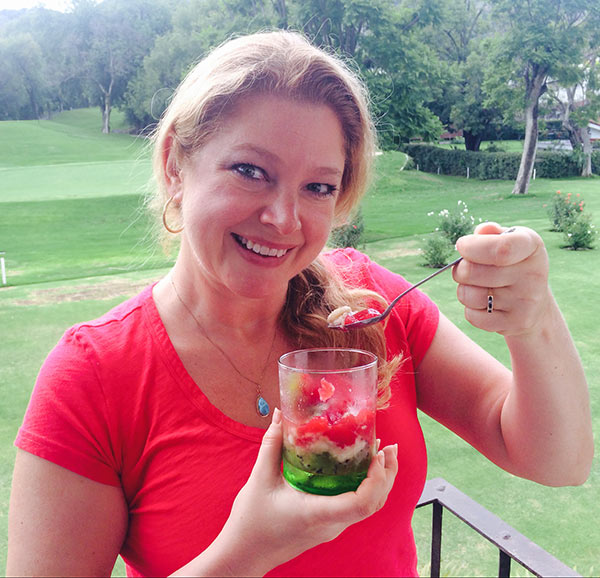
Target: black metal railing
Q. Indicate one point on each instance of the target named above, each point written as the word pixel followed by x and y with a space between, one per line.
pixel 511 544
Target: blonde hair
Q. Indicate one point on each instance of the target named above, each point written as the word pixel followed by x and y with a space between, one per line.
pixel 285 63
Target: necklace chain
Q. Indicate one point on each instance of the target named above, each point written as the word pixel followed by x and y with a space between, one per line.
pixel 262 407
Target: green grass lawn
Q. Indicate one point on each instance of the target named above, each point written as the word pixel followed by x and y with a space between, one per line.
pixel 77 243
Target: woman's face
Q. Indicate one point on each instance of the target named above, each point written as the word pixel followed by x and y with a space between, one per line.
pixel 258 198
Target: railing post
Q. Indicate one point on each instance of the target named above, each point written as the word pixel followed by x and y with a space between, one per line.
pixel 436 539
pixel 504 565
pixel 511 544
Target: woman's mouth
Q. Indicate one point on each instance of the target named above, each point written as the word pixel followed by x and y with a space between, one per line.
pixel 263 250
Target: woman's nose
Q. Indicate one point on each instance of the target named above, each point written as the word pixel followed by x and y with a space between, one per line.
pixel 282 213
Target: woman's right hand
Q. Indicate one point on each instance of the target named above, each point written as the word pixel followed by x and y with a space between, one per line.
pixel 271 522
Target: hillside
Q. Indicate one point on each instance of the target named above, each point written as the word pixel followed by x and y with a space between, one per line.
pixel 70 137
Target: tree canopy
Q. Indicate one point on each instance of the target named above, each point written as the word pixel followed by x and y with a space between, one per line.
pixel 477 66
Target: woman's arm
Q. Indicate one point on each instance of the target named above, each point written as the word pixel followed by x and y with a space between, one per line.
pixel 534 422
pixel 61 523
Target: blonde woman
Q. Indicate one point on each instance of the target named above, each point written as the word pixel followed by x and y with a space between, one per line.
pixel 153 432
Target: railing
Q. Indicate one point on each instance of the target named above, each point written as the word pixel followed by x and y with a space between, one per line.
pixel 511 544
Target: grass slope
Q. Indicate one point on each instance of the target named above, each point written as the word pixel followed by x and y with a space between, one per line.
pixel 78 244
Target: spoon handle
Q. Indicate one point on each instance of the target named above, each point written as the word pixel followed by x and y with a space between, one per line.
pixel 391 305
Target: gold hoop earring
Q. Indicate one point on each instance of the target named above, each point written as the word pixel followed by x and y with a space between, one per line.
pixel 164 218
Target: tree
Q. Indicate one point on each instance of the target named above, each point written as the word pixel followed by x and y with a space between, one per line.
pixel 458 38
pixel 380 37
pixel 114 37
pixel 538 40
pixel 578 103
pixel 23 86
pixel 197 26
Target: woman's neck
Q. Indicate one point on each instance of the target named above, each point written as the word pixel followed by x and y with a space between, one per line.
pixel 219 312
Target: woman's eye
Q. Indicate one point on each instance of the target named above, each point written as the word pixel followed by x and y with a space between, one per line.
pixel 322 189
pixel 249 171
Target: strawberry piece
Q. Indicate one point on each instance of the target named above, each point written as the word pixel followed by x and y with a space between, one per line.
pixel 306 432
pixel 350 318
pixel 366 314
pixel 309 389
pixel 326 390
pixel 345 430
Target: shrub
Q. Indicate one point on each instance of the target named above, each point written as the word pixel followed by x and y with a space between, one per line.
pixel 437 250
pixel 563 209
pixel 457 223
pixel 493 165
pixel 580 233
pixel 350 234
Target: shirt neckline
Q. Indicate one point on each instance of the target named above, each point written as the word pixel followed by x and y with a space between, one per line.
pixel 167 352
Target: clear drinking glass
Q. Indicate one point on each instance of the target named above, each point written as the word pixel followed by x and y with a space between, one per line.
pixel 328 402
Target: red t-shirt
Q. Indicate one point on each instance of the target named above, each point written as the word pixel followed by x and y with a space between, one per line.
pixel 114 403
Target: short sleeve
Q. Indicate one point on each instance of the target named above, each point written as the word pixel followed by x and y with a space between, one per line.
pixel 66 421
pixel 415 318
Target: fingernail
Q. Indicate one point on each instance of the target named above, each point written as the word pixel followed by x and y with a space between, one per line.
pixel 381 458
pixel 276 416
pixel 377 444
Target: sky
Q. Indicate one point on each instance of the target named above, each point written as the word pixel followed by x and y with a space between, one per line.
pixel 61 5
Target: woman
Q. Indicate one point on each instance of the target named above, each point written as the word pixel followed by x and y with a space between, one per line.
pixel 145 435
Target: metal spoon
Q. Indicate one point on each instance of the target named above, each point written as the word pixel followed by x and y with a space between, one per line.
pixel 377 318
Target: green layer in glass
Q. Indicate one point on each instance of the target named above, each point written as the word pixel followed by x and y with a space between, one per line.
pixel 323 484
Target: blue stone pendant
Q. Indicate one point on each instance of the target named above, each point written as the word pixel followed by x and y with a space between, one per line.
pixel 262 407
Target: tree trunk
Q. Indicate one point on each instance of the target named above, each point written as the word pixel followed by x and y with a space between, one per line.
pixel 106 114
pixel 472 141
pixel 586 170
pixel 575 136
pixel 536 86
pixel 521 185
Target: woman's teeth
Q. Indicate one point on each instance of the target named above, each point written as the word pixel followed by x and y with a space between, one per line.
pixel 261 249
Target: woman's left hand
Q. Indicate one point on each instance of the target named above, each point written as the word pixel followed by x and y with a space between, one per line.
pixel 512 269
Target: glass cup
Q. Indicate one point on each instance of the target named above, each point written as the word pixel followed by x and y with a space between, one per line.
pixel 328 403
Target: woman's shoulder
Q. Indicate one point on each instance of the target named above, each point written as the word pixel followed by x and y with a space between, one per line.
pixel 346 256
pixel 119 329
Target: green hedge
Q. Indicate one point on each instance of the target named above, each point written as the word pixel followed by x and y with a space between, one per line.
pixel 494 165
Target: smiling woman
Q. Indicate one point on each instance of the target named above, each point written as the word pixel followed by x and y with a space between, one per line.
pixel 154 432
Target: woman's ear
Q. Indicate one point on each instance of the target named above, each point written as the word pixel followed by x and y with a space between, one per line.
pixel 171 166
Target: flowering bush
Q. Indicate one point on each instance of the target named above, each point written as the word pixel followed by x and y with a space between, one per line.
pixel 563 210
pixel 457 223
pixel 453 225
pixel 437 250
pixel 580 232
pixel 350 234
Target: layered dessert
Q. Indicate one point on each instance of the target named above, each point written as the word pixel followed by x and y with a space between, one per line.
pixel 343 316
pixel 329 433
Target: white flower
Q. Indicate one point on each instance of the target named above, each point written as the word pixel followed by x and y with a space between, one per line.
pixel 430 214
